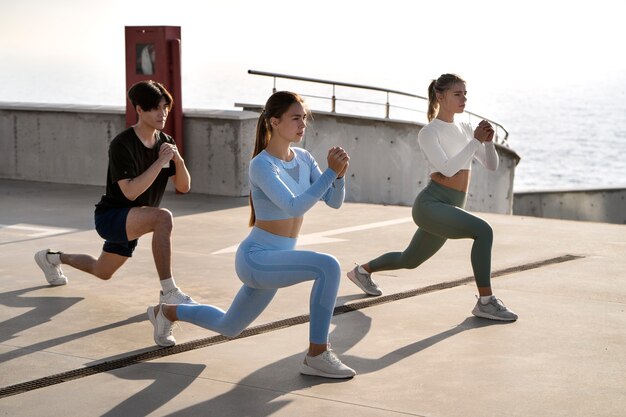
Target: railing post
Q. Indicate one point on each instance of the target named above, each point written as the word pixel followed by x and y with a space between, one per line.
pixel 387 107
pixel 333 100
pixel 274 89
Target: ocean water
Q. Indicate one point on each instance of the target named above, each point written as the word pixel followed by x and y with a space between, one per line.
pixel 569 135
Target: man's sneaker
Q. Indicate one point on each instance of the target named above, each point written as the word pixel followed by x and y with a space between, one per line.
pixel 364 282
pixel 175 296
pixel 52 271
pixel 162 327
pixel 326 364
pixel 494 310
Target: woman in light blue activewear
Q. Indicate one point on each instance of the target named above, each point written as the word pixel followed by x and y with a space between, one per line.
pixel 285 182
pixel 438 210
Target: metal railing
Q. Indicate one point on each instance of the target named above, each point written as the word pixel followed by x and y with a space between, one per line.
pixel 501 134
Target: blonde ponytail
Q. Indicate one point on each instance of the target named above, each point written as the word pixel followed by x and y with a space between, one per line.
pixel 433 104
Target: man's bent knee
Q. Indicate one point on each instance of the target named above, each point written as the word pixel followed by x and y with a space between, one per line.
pixel 165 219
pixel 104 275
pixel 142 220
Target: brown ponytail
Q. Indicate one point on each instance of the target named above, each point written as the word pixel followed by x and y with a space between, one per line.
pixel 262 134
pixel 276 106
pixel 440 85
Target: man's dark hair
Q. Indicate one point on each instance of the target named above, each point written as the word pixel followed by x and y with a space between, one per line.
pixel 147 95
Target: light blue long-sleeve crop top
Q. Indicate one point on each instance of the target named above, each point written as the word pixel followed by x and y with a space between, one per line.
pixel 285 189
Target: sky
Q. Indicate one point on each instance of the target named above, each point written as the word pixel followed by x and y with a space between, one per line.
pixel 551 72
pixel 57 46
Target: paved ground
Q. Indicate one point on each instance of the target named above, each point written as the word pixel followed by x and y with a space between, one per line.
pixel 86 349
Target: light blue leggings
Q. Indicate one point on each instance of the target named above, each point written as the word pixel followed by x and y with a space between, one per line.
pixel 264 263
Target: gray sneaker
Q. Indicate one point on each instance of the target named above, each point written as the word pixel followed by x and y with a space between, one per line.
pixel 494 310
pixel 162 327
pixel 364 282
pixel 326 364
pixel 52 271
pixel 175 296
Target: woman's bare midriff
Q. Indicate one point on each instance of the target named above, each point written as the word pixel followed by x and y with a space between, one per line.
pixel 459 181
pixel 285 227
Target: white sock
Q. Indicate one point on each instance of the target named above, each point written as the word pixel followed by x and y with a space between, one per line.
pixel 362 270
pixel 485 300
pixel 168 284
pixel 54 258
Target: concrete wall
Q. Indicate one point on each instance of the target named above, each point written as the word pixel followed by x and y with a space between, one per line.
pixel 57 144
pixel 608 206
pixel 69 144
pixel 218 147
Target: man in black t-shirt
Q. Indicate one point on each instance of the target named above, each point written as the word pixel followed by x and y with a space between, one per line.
pixel 141 161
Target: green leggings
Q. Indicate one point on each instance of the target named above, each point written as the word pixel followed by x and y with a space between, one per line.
pixel 438 211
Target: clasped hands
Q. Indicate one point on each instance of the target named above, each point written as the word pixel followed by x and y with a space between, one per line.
pixel 484 132
pixel 338 160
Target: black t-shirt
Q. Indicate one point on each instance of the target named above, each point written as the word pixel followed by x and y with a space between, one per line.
pixel 129 158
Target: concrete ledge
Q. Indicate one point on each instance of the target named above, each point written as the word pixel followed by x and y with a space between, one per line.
pixel 221 114
pixel 598 205
pixel 56 107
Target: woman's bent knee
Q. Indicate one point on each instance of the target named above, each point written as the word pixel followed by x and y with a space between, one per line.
pixel 231 331
pixel 330 265
pixel 485 231
pixel 410 263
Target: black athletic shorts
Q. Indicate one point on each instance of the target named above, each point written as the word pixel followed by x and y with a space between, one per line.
pixel 111 226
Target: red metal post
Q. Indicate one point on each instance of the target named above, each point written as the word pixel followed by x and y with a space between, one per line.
pixel 153 53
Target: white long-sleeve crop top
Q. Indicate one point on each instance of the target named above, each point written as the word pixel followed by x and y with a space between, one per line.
pixel 285 189
pixel 450 147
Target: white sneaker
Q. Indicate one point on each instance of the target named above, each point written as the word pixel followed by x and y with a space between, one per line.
pixel 326 364
pixel 364 282
pixel 175 296
pixel 162 327
pixel 494 310
pixel 52 271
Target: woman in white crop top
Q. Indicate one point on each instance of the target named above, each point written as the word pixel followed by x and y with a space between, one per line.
pixel 449 147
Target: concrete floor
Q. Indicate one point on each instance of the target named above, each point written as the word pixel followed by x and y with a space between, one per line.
pixel 422 354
